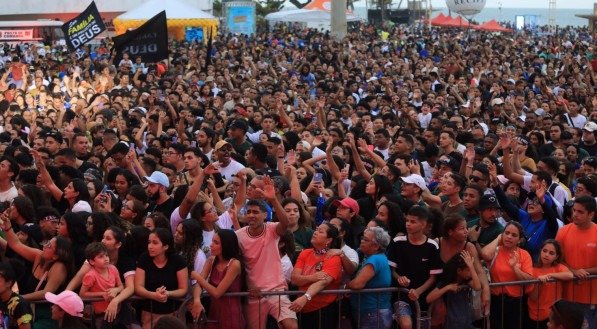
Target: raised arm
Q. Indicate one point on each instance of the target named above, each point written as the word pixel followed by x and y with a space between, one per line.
pixel 44 176
pixel 269 193
pixel 30 254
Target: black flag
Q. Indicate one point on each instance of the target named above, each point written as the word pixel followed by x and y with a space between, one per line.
pixel 209 49
pixel 83 28
pixel 150 40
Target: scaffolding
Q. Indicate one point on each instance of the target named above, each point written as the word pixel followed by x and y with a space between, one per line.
pixel 551 21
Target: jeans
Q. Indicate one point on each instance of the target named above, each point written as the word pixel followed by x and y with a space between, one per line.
pixel 381 319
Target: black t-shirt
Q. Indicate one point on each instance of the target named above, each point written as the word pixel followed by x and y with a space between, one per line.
pixel 19 311
pixel 156 277
pixel 591 149
pixel 416 262
pixel 165 208
pixel 125 264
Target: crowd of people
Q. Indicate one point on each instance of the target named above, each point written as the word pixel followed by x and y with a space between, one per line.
pixel 433 160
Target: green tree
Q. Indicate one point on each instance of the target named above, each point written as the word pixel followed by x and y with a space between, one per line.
pixel 264 7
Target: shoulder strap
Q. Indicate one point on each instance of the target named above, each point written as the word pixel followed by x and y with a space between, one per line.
pixel 211 269
pixel 552 188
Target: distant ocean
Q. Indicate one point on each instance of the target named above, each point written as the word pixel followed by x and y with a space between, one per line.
pixel 564 17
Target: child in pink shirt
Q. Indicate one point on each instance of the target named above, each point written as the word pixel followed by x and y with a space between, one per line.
pixel 102 280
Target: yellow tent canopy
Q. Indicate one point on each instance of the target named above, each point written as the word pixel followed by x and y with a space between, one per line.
pixel 179 14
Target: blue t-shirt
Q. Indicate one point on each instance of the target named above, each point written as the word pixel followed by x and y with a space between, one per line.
pixel 371 302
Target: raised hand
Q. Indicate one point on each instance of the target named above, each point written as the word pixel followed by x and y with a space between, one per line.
pixel 269 190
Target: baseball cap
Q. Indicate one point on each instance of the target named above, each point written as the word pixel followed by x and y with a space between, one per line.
pixel 81 206
pixel 415 179
pixel 349 203
pixel 158 177
pixel 33 231
pixel 450 162
pixel 512 81
pixel 221 144
pixel 590 126
pixel 239 124
pixel 488 202
pixel 497 101
pixel 68 301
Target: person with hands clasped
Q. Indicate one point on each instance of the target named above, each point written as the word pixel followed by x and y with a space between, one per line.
pixel 161 274
pixel 415 261
pixel 459 276
pixel 314 271
pixel 508 262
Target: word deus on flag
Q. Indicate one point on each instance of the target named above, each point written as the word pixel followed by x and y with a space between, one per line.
pixel 150 40
pixel 83 28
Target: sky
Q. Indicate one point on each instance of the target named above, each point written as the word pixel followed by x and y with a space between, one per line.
pixel 562 4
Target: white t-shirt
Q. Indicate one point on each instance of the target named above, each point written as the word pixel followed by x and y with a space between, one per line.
pixel 231 169
pixel 9 194
pixel 287 267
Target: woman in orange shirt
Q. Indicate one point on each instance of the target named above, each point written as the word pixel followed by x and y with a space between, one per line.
pixel 508 263
pixel 315 270
pixel 542 297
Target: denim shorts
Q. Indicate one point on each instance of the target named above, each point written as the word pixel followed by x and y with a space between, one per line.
pixel 402 309
pixel 382 319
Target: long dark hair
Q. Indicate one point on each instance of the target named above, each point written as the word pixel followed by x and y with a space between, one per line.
pixel 450 272
pixel 193 240
pixel 230 248
pixel 64 255
pixel 100 221
pixel 80 186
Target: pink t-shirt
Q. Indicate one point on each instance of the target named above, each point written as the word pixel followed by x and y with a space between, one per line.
pixel 262 258
pixel 95 282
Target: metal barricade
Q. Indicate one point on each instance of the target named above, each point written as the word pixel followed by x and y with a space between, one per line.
pixel 418 316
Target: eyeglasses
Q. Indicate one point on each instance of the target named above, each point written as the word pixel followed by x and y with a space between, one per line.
pixel 534 201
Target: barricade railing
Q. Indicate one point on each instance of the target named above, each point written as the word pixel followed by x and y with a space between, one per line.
pixel 418 316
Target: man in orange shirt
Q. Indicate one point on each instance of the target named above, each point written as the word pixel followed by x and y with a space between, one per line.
pixel 579 247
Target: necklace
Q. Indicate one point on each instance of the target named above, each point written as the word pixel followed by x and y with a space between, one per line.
pixel 321 251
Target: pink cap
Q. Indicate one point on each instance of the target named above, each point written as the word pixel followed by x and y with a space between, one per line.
pixel 68 301
pixel 350 203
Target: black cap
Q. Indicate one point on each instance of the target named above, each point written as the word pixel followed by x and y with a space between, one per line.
pixel 240 124
pixel 488 201
pixel 33 231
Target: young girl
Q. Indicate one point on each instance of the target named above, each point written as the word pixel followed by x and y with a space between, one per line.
pixel 541 298
pixel 458 271
pixel 102 281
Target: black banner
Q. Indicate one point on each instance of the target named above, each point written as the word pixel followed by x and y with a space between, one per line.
pixel 150 41
pixel 83 28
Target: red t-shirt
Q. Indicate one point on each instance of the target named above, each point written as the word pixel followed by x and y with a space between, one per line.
pixel 308 262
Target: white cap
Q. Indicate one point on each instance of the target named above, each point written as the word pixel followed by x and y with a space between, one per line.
pixel 415 179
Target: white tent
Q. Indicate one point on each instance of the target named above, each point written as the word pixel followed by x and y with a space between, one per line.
pixel 313 16
pixel 179 14
pixel 174 9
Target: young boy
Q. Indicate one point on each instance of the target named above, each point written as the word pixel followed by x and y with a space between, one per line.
pixel 12 304
pixel 102 281
pixel 415 262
